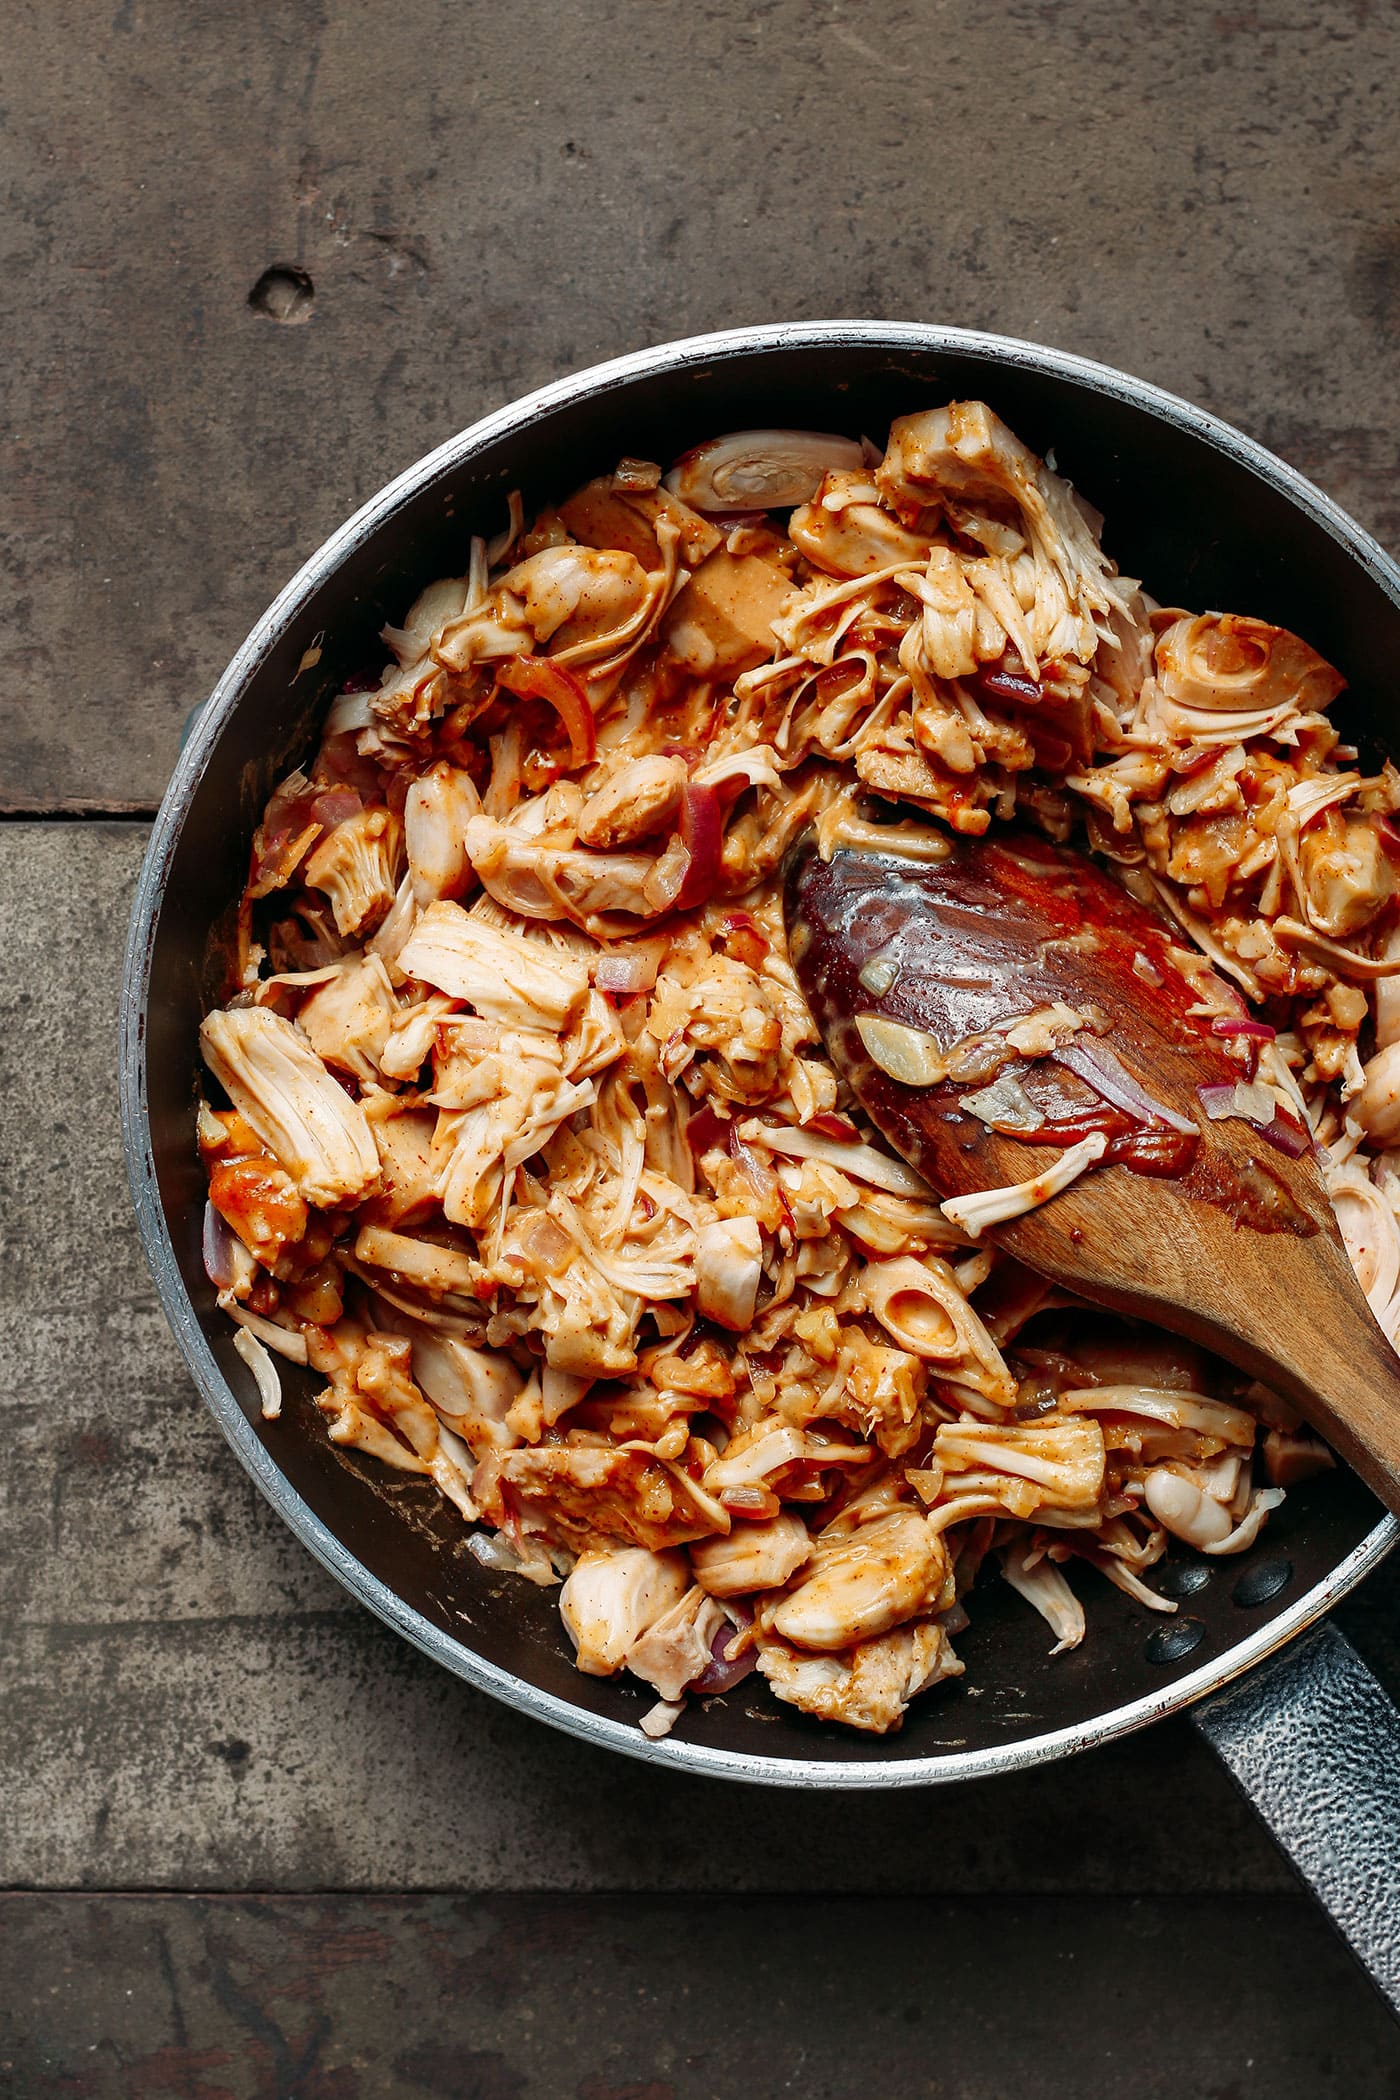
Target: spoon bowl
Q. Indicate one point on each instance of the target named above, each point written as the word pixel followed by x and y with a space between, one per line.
pixel 1007 1014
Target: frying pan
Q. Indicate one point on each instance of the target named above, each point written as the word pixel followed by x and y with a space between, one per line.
pixel 1210 520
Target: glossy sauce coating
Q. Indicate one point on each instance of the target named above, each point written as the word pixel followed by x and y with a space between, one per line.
pixel 997 929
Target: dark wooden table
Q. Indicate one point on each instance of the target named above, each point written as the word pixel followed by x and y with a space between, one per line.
pixel 253 1844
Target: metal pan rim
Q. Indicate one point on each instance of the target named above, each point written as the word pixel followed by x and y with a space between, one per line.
pixel 595 382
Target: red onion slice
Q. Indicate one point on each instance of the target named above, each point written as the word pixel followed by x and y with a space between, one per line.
pixel 623 971
pixel 707 1132
pixel 536 678
pixel 1280 1129
pixel 1100 1069
pixel 226 1259
pixel 1259 1030
pixel 287 823
pixel 725 1671
pixel 1229 994
pixel 335 805
pixel 1000 684
pixel 702 831
pixel 828 1124
pixel 339 761
pixel 1286 1135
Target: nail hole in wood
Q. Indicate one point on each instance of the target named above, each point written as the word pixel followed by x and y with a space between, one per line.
pixel 284 293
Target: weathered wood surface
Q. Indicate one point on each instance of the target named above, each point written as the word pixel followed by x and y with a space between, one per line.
pixel 485 197
pixel 479 199
pixel 537 1998
pixel 188 1701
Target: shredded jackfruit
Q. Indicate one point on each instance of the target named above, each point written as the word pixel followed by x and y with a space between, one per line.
pixel 527 1146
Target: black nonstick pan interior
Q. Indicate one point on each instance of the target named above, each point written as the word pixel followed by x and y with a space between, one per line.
pixel 1195 512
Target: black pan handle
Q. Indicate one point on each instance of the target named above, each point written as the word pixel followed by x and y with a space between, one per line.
pixel 1313 1742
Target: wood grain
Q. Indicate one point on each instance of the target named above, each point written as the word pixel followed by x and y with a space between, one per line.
pixel 557 1998
pixel 483 198
pixel 1236 1248
pixel 187 1700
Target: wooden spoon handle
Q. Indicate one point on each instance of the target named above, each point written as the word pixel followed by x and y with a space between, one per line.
pixel 1327 1353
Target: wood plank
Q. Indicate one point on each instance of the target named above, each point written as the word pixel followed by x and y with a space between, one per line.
pixel 519 1998
pixel 483 198
pixel 186 1699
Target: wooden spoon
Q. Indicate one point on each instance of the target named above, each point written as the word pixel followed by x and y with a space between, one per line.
pixel 1212 1231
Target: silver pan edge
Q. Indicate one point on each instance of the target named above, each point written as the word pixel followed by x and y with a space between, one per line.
pixel 597 382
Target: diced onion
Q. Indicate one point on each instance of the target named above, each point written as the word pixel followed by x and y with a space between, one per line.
pixel 626 970
pixel 878 975
pixel 636 474
pixel 1251 1102
pixel 494 1552
pixel 1257 1105
pixel 1001 684
pixel 1005 1105
pixel 336 805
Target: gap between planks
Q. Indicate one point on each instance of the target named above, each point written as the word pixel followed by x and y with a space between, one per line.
pixel 87 813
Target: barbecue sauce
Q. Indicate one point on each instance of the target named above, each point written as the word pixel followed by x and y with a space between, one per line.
pixel 998 929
